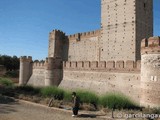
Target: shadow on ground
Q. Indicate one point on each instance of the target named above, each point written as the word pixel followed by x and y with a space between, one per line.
pixel 89 115
pixel 7 105
pixel 6 100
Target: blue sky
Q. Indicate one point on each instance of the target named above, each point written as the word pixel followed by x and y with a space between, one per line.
pixel 25 24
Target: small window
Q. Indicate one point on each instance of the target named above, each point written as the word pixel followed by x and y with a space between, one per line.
pixel 144 5
pixel 146 43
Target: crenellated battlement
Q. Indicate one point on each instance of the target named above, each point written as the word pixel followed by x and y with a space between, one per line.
pixel 103 65
pixel 78 36
pixel 49 64
pixel 74 36
pixel 151 45
pixel 57 33
pixel 26 59
pixel 25 69
pixel 104 60
pixel 39 65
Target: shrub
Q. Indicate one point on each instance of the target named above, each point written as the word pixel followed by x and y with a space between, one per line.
pixel 53 91
pixel 88 97
pixel 28 89
pixel 67 96
pixel 6 100
pixel 117 101
pixel 6 82
pixel 6 87
pixel 12 74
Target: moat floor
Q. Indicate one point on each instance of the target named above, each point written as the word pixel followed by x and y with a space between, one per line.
pixel 23 111
pixel 11 109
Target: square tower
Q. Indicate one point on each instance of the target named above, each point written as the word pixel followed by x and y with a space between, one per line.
pixel 124 23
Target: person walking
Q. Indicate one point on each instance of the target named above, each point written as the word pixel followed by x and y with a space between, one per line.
pixel 76 102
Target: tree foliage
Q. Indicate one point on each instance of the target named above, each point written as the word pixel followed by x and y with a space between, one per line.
pixel 10 62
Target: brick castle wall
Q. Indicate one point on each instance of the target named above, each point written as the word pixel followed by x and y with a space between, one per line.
pixel 102 82
pixel 119 66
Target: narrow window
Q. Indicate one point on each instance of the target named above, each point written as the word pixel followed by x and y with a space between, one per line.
pixel 144 5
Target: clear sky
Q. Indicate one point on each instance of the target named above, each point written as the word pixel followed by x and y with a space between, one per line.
pixel 25 24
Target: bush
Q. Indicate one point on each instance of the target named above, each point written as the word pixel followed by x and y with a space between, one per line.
pixel 53 92
pixel 12 74
pixel 6 82
pixel 88 97
pixel 67 96
pixel 117 101
pixel 28 89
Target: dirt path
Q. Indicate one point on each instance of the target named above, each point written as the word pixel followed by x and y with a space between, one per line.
pixel 11 110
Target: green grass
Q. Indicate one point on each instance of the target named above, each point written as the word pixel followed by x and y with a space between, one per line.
pixel 8 87
pixel 110 100
pixel 53 91
pixel 6 82
pixel 68 96
pixel 117 101
pixel 87 97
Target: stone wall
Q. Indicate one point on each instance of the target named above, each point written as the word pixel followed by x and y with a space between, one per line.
pixel 122 25
pixel 150 82
pixel 38 74
pixel 56 43
pixel 37 78
pixel 47 73
pixel 84 46
pixel 144 25
pixel 150 72
pixel 53 71
pixel 26 67
pixel 103 82
pixel 102 77
pixel 73 47
pixel 120 66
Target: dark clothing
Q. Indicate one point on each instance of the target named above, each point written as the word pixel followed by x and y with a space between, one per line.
pixel 76 102
pixel 75 110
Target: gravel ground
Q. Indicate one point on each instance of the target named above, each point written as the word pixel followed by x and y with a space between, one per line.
pixel 11 110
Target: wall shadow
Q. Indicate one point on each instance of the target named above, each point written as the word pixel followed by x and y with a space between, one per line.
pixel 7 105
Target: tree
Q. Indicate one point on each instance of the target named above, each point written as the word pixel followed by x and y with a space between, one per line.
pixel 11 63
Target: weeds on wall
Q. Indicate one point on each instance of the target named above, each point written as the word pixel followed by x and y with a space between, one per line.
pixel 88 97
pixel 110 100
pixel 117 101
pixel 54 92
pixel 67 96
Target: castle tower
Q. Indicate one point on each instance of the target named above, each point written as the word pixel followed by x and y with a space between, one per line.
pixel 124 23
pixel 56 42
pixel 150 72
pixel 25 70
pixel 53 71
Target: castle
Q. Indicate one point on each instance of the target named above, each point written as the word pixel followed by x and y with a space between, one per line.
pixel 111 59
